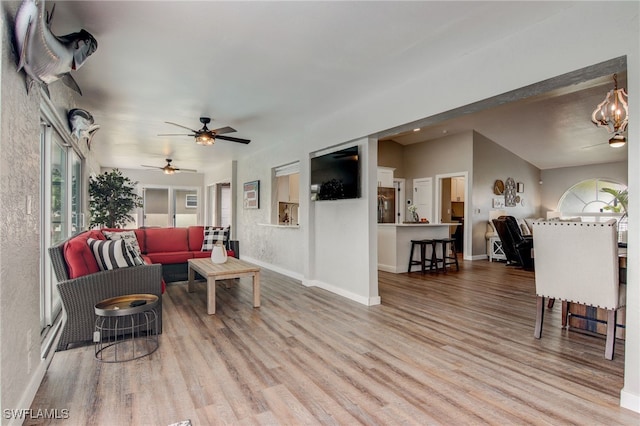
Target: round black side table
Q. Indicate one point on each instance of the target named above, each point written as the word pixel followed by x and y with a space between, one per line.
pixel 126 327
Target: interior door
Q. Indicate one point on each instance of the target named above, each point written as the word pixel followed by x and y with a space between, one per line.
pixel 423 198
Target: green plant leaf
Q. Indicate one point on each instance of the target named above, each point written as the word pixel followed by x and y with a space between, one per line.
pixel 622 196
pixel 112 198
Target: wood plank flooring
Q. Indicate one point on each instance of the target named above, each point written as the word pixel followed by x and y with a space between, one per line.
pixel 441 349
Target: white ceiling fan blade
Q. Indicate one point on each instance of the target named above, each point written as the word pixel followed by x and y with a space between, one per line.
pixel 180 125
pixel 175 134
pixel 594 146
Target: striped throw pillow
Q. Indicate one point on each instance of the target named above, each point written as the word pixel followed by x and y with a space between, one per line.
pixel 114 254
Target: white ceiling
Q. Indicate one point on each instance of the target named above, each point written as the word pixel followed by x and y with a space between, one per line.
pixel 267 68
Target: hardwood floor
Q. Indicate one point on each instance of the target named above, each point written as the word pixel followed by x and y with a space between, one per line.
pixel 455 348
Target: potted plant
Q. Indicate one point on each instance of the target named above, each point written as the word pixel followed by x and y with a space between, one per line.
pixel 620 202
pixel 112 197
pixel 621 198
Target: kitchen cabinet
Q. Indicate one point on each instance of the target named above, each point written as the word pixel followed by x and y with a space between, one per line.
pixel 294 188
pixel 385 177
pixel 289 188
pixel 457 188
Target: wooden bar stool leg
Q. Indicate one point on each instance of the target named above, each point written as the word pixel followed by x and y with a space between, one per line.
pixel 411 256
pixel 454 252
pixel 423 249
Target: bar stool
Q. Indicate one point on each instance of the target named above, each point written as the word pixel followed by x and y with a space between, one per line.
pixel 447 260
pixel 423 258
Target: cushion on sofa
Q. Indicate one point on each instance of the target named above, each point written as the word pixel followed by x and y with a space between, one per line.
pixel 196 236
pixel 140 236
pixel 78 256
pixel 114 254
pixel 129 236
pixel 213 235
pixel 166 240
pixel 168 258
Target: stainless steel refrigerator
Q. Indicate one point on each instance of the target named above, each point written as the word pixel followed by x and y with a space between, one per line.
pixel 386 205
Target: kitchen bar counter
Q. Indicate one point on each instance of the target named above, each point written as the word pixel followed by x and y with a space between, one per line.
pixel 394 242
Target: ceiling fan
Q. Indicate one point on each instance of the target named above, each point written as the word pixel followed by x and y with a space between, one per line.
pixel 205 136
pixel 169 169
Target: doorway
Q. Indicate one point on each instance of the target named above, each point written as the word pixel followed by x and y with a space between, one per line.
pixel 422 198
pixel 452 206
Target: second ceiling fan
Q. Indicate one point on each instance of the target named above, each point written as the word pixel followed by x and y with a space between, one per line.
pixel 206 136
pixel 170 169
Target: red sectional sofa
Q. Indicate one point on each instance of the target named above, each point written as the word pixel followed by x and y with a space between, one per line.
pixel 173 247
pixel 170 247
pixel 82 284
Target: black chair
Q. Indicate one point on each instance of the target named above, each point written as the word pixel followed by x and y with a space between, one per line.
pixel 517 247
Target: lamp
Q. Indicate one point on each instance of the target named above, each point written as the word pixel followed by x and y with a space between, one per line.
pixel 613 114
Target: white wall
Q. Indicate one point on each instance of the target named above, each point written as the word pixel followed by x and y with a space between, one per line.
pixel 492 162
pixel 281 248
pixel 342 228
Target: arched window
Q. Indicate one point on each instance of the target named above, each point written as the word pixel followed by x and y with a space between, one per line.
pixel 587 200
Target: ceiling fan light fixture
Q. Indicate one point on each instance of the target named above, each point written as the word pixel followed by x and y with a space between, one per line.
pixel 617 141
pixel 205 139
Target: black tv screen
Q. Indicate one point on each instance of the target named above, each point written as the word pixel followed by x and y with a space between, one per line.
pixel 336 176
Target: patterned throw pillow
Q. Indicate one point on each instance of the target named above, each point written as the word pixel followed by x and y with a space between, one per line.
pixel 128 236
pixel 114 254
pixel 213 235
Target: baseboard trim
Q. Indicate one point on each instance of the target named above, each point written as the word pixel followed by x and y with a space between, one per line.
pixel 367 301
pixel 32 388
pixel 278 269
pixel 480 257
pixel 630 401
pixel 387 268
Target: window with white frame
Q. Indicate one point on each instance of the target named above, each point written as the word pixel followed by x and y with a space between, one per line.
pixel 591 201
pixel 286 194
pixel 62 215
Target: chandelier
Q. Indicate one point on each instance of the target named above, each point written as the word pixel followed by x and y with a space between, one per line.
pixel 613 114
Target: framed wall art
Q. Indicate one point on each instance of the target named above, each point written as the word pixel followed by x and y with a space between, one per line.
pixel 251 195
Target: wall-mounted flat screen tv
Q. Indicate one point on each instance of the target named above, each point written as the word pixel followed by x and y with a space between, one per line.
pixel 336 176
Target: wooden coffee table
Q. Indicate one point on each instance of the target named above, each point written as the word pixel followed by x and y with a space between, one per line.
pixel 232 268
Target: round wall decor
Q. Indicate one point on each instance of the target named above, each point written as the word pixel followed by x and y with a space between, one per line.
pixel 498 187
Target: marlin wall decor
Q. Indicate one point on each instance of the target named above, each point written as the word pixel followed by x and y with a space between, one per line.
pixel 44 56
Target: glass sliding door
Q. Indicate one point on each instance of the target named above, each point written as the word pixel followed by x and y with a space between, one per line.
pixel 77 215
pixel 171 206
pixel 185 202
pixel 62 217
pixel 156 207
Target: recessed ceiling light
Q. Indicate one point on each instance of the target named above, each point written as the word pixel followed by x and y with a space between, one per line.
pixel 416 129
